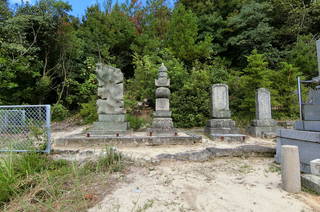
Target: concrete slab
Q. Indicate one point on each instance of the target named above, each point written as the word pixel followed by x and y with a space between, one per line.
pixel 311 182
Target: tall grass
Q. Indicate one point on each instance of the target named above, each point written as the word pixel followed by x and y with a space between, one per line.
pixel 49 181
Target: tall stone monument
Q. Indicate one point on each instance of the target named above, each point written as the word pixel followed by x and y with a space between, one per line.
pixel 162 122
pixel 221 126
pixel 263 124
pixel 111 113
pixel 306 132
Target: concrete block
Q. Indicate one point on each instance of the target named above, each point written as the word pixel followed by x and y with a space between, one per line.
pixel 315 167
pixel 264 123
pixel 300 135
pixel 221 114
pixel 261 131
pixel 221 123
pixel 228 137
pixel 308 151
pixel 112 117
pixel 290 169
pixel 307 125
pixel 311 112
pixel 311 182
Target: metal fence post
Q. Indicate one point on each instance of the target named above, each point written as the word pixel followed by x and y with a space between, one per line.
pixel 48 127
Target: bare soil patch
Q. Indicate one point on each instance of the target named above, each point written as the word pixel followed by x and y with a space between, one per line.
pixel 223 184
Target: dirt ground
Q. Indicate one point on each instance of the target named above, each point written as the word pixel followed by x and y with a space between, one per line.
pixel 223 184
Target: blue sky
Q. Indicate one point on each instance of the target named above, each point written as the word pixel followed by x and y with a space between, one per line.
pixel 78 6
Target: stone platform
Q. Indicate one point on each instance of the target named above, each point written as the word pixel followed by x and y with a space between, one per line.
pixel 308 143
pixel 140 139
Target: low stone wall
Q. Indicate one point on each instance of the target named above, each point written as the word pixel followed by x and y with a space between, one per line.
pixel 82 141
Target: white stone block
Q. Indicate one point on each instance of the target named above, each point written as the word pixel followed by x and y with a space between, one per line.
pixel 315 167
pixel 290 169
pixel 162 104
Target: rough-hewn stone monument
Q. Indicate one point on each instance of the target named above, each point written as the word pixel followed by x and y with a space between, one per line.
pixel 110 104
pixel 162 122
pixel 221 126
pixel 263 125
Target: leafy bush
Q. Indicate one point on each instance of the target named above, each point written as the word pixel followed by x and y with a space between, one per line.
pixel 191 104
pixel 135 122
pixel 88 111
pixel 59 112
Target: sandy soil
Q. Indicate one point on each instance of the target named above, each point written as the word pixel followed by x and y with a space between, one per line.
pixel 224 184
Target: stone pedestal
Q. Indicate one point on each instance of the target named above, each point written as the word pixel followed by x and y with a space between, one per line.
pixel 221 126
pixel 263 125
pixel 110 124
pixel 162 124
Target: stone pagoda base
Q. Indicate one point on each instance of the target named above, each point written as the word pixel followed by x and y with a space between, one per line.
pixel 109 124
pixel 162 127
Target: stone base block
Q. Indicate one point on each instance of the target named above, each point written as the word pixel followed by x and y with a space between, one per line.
pixel 112 118
pixel 162 123
pixel 221 114
pixel 311 182
pixel 264 123
pixel 228 137
pixel 162 127
pixel 307 142
pixel 263 132
pixel 108 128
pixel 221 123
pixel 307 125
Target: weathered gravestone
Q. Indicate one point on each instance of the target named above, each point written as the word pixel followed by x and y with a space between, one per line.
pixel 111 113
pixel 162 122
pixel 220 126
pixel 263 125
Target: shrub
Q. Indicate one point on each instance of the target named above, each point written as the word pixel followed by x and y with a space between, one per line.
pixel 59 112
pixel 135 122
pixel 88 111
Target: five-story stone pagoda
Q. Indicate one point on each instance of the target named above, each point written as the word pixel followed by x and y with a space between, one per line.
pixel 162 122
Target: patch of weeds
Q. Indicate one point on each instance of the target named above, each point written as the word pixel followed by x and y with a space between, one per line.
pixel 308 190
pixel 148 204
pixel 245 169
pixel 273 168
pixel 34 182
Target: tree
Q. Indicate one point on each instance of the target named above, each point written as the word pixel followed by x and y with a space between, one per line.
pixel 182 36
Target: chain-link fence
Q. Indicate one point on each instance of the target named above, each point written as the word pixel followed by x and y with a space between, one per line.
pixel 25 128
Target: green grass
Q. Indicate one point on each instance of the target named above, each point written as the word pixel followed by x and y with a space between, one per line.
pixel 35 182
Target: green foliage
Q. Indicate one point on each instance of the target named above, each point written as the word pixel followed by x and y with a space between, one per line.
pixel 88 111
pixel 48 56
pixel 50 181
pixel 190 104
pixel 182 36
pixel 285 84
pixel 135 122
pixel 255 75
pixel 59 112
pixel 15 169
pixel 303 55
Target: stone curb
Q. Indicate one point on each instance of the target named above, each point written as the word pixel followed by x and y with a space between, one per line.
pixel 211 152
